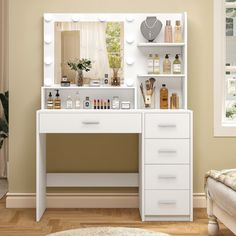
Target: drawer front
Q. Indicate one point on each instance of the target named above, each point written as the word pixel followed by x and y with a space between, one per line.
pixel 89 123
pixel 167 177
pixel 167 126
pixel 167 202
pixel 167 151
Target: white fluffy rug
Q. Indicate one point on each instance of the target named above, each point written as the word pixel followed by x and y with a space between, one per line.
pixel 3 187
pixel 108 231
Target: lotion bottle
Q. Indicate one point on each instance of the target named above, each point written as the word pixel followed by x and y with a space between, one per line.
pixel 57 101
pixel 167 65
pixel 156 64
pixel 150 64
pixel 50 101
pixel 177 65
pixel 163 97
pixel 168 32
pixel 178 32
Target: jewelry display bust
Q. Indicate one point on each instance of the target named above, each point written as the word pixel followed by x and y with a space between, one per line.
pixel 150 28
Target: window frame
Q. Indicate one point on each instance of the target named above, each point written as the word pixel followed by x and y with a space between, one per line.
pixel 221 127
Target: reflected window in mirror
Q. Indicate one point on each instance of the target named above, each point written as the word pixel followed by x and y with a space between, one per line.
pixel 100 42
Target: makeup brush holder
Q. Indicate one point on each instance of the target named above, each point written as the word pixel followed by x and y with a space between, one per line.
pixel 149 101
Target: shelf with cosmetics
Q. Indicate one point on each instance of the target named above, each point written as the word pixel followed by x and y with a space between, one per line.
pixel 163 77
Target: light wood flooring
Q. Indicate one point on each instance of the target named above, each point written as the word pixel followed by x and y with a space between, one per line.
pixel 21 222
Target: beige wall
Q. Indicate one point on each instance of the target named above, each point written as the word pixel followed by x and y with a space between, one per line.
pixel 26 72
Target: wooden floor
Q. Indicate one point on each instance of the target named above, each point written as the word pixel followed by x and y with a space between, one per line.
pixel 22 221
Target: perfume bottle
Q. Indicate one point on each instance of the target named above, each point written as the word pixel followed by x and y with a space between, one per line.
pixel 87 103
pixel 50 101
pixel 57 101
pixel 150 64
pixel 69 103
pixel 168 32
pixel 156 64
pixel 178 32
pixel 77 101
pixel 177 65
pixel 163 97
pixel 167 65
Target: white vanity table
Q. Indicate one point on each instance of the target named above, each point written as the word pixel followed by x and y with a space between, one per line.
pixel 165 156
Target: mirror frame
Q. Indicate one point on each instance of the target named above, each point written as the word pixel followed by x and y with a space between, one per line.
pixel 49 41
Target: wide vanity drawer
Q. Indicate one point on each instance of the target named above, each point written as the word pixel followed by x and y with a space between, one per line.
pixel 167 126
pixel 89 123
pixel 167 177
pixel 167 202
pixel 167 151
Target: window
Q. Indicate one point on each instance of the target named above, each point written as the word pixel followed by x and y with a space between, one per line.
pixel 225 67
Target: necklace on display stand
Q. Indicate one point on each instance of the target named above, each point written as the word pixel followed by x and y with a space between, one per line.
pixel 150 28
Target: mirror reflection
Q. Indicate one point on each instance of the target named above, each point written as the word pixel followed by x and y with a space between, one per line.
pixel 93 50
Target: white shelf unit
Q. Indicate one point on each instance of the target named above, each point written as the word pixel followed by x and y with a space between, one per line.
pixel 176 83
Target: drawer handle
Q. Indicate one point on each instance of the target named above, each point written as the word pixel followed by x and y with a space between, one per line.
pixel 167 151
pixel 167 177
pixel 91 122
pixel 167 125
pixel 167 202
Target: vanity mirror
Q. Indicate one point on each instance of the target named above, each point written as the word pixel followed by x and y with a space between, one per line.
pixel 99 44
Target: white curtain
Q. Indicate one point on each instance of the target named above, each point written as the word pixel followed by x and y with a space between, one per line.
pixel 92 45
pixel 3 76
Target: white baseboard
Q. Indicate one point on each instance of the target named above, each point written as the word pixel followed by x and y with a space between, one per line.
pixel 87 200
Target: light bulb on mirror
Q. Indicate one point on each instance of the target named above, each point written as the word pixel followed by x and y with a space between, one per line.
pixel 48 61
pixel 129 39
pixel 129 82
pixel 129 61
pixel 47 82
pixel 75 18
pixel 129 18
pixel 48 39
pixel 48 17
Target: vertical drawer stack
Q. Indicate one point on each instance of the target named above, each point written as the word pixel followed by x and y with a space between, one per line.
pixel 167 166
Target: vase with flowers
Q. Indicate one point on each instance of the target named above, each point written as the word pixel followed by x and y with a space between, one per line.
pixel 80 65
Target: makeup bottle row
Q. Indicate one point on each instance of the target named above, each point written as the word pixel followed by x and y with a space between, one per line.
pixel 177 38
pixel 168 67
pixel 96 104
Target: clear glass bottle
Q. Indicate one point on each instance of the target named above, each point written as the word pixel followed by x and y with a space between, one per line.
pixel 177 65
pixel 77 101
pixel 150 64
pixel 87 103
pixel 168 32
pixel 50 101
pixel 178 32
pixel 57 101
pixel 167 65
pixel 69 103
pixel 156 64
pixel 115 102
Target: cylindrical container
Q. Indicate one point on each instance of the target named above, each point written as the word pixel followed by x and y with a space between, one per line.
pixel 168 32
pixel 178 32
pixel 174 101
pixel 163 97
